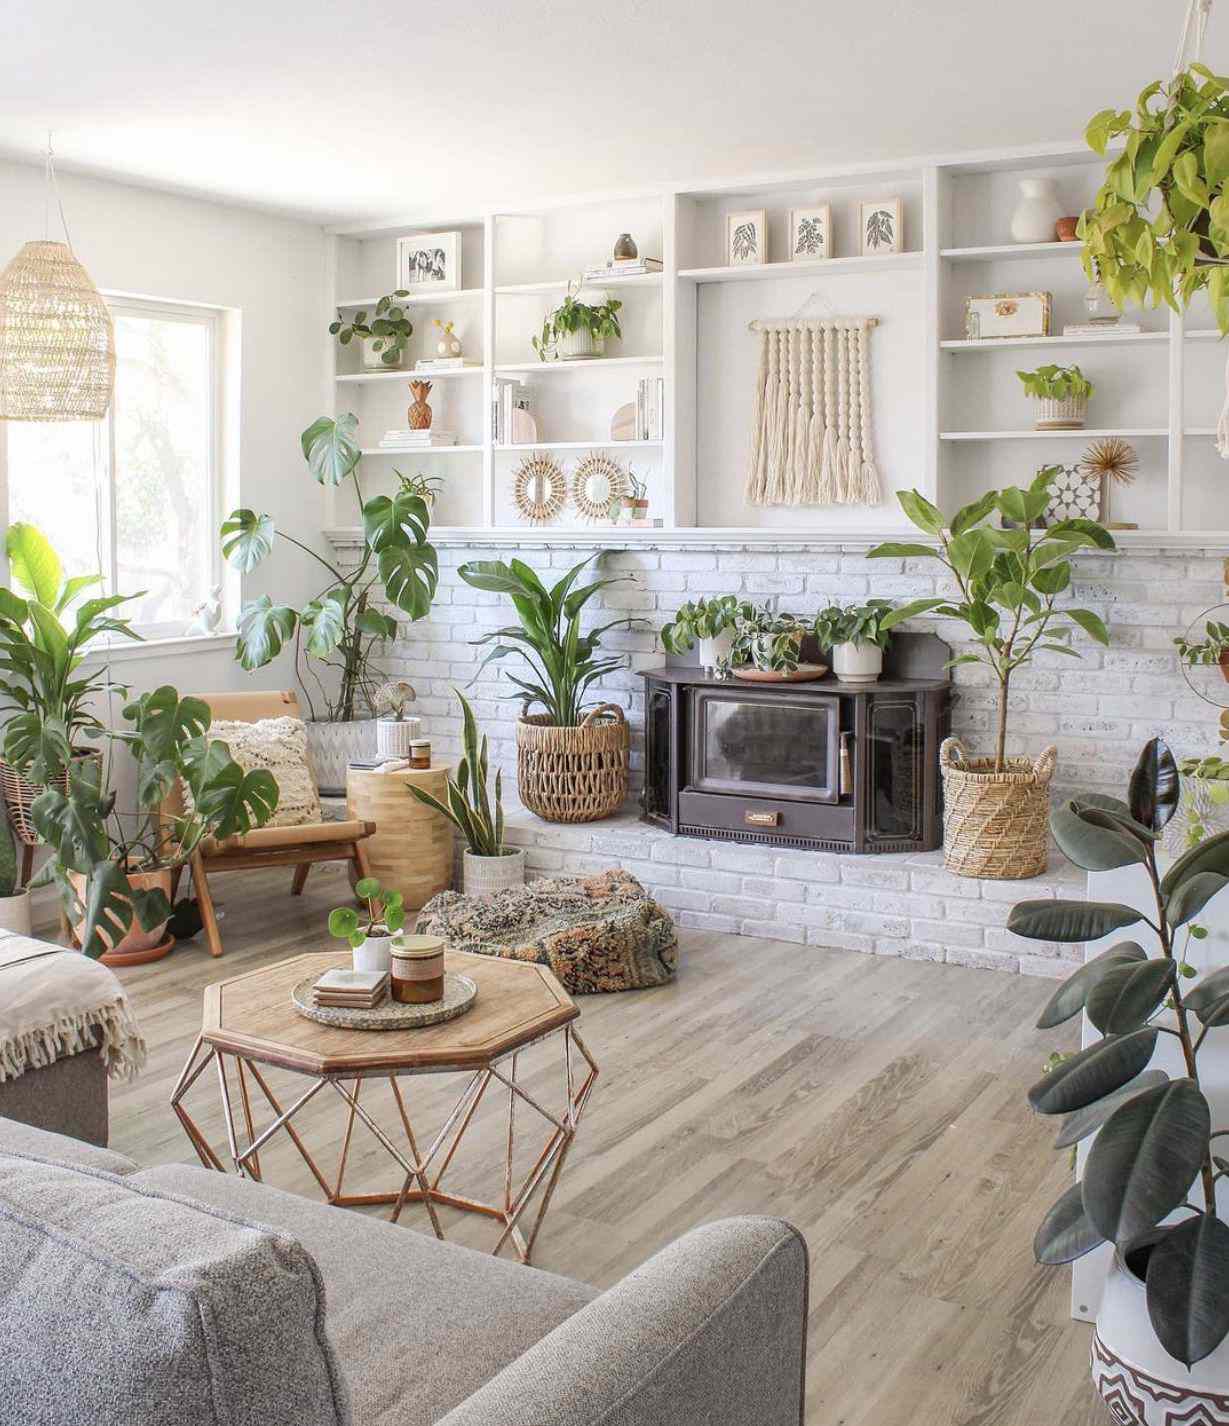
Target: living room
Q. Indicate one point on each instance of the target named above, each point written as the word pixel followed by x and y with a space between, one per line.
pixel 611 747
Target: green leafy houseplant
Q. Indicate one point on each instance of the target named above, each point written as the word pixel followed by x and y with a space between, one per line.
pixel 704 619
pixel 1008 581
pixel 857 624
pixel 1155 1140
pixel 1211 649
pixel 770 641
pixel 383 914
pixel 1158 229
pixel 99 852
pixel 600 321
pixel 389 330
pixel 1056 383
pixel 341 628
pixel 1205 793
pixel 469 807
pixel 10 884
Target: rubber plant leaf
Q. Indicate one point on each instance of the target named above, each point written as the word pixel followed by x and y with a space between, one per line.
pixel 1154 786
pixel 1065 1232
pixel 1070 997
pixel 1092 1073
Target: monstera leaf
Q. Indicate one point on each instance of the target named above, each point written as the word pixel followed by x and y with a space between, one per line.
pixel 234 801
pixel 410 574
pixel 325 622
pixel 263 628
pixel 402 520
pixel 246 538
pixel 37 746
pixel 111 905
pixel 73 825
pixel 330 449
pixel 167 723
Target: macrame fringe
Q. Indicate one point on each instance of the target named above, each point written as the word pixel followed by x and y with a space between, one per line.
pixel 111 1028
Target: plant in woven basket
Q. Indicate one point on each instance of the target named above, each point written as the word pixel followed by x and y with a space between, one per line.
pixel 382 913
pixel 388 331
pixel 1008 581
pixel 469 806
pixel 1155 1155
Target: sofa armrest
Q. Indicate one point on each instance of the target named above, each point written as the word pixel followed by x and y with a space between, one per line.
pixel 712 1329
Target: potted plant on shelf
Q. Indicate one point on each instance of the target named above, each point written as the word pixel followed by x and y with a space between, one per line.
pixel 116 871
pixel 857 637
pixel 394 731
pixel 634 505
pixel 488 865
pixel 384 339
pixel 571 759
pixel 1061 394
pixel 1204 803
pixel 708 622
pixel 340 629
pixel 426 487
pixel 1008 583
pixel 768 646
pixel 577 328
pixel 1213 648
pixel 14 898
pixel 1160 1339
pixel 370 933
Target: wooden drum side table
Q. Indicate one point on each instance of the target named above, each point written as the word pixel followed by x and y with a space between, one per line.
pixel 411 850
pixel 250 1025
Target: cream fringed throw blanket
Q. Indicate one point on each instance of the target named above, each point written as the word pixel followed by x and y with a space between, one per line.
pixel 811 439
pixel 55 1003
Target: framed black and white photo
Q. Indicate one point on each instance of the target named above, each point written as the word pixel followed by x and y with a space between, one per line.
pixel 746 237
pixel 810 233
pixel 429 262
pixel 879 227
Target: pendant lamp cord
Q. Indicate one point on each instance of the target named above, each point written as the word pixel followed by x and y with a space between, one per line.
pixel 52 187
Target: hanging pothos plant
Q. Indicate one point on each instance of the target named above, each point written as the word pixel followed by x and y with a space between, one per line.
pixel 1158 230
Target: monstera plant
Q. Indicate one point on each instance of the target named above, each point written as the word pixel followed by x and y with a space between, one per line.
pixel 1149 1179
pixel 342 627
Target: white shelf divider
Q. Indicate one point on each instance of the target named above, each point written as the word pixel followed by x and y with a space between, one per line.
pixel 411 374
pixel 1000 252
pixel 1082 434
pixel 561 284
pixel 990 344
pixel 457 294
pixel 819 267
pixel 581 364
pixel 421 450
pixel 575 445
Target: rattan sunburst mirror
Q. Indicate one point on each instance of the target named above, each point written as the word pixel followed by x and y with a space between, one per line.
pixel 598 482
pixel 539 489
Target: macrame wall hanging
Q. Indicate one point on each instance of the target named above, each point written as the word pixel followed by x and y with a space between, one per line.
pixel 811 440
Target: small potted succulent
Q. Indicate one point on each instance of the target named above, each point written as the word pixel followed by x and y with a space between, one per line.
pixel 394 730
pixel 579 327
pixel 708 622
pixel 634 505
pixel 370 930
pixel 1213 648
pixel 771 643
pixel 384 338
pixel 856 637
pixel 1061 394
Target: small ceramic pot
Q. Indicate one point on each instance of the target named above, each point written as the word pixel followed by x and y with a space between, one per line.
pixel 857 663
pixel 1065 230
pixel 393 737
pixel 418 969
pixel 1037 211
pixel 373 954
pixel 484 876
pixel 719 647
pixel 579 346
pixel 1224 664
pixel 1069 414
pixel 15 913
pixel 373 360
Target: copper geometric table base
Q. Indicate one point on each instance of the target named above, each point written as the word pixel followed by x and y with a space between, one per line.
pixel 421 1173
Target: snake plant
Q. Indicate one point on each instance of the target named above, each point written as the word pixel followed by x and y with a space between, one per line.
pixel 469 806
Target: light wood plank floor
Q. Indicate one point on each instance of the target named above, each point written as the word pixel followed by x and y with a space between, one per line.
pixel 878 1104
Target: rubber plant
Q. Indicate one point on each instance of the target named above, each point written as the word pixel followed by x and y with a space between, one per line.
pixel 342 627
pixel 469 806
pixel 1155 1150
pixel 1008 581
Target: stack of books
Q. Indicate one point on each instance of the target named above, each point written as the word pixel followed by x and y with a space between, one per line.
pixel 1102 327
pixel 417 440
pixel 623 267
pixel 354 989
pixel 650 393
pixel 507 395
pixel 440 364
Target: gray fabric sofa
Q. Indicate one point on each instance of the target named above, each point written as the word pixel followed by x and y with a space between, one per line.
pixel 175 1296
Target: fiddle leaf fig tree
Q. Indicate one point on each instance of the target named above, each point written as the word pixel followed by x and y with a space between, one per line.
pixel 1154 1152
pixel 342 627
pixel 1008 580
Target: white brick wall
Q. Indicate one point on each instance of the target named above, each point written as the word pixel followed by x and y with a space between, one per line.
pixel 1097 711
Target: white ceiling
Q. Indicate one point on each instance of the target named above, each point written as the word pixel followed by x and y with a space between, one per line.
pixel 354 110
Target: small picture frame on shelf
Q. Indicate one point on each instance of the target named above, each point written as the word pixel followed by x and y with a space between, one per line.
pixel 746 235
pixel 1007 314
pixel 810 233
pixel 429 262
pixel 880 227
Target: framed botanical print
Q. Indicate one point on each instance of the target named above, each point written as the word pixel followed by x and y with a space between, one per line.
pixel 879 227
pixel 810 233
pixel 746 236
pixel 429 262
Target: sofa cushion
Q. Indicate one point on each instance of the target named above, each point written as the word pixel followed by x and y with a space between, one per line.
pixel 21 1138
pixel 418 1325
pixel 120 1304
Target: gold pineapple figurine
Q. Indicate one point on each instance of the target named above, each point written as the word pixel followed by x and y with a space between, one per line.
pixel 419 414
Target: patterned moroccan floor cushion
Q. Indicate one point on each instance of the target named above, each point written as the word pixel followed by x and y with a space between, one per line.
pixel 600 932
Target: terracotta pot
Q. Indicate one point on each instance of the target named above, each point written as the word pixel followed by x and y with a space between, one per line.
pixel 138 946
pixel 1224 664
pixel 1065 229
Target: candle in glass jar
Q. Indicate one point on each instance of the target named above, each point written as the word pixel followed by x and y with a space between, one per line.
pixel 420 753
pixel 417 964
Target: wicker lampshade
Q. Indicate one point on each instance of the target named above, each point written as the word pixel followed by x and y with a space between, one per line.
pixel 57 344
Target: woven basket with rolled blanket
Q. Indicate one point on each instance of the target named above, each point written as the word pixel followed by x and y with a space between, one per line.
pixel 601 932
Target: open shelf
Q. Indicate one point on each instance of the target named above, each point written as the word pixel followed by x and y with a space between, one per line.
pixel 576 445
pixel 420 450
pixel 1080 434
pixel 410 373
pixel 828 267
pixel 581 363
pixel 999 251
pixel 528 289
pixel 457 294
pixel 989 344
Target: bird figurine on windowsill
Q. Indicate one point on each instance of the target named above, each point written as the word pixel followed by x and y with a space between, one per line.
pixel 207 615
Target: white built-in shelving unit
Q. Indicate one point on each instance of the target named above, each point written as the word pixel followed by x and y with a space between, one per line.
pixel 950 416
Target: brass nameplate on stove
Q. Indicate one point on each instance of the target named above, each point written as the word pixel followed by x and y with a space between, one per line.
pixel 762 819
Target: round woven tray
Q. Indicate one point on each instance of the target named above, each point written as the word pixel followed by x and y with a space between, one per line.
pixel 459 995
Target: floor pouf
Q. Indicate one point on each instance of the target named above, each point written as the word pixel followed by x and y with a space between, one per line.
pixel 602 932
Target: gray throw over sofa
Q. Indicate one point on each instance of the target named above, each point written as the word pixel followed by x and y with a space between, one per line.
pixel 177 1296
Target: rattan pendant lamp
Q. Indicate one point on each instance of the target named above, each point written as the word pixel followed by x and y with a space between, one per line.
pixel 57 343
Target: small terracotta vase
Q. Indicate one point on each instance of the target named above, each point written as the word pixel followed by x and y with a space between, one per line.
pixel 419 414
pixel 1065 229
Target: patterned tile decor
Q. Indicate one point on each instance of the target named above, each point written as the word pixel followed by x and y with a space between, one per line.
pixel 1134 1398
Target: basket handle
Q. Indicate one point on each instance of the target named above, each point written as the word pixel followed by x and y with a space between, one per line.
pixel 951 753
pixel 599 710
pixel 1043 768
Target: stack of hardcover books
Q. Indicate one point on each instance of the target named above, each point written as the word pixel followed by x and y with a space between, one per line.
pixel 352 989
pixel 622 267
pixel 403 440
pixel 650 394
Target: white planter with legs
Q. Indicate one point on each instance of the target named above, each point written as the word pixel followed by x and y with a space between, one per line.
pixel 857 663
pixel 484 876
pixel 15 913
pixel 332 746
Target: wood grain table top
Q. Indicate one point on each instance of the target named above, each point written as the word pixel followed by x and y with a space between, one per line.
pixel 252 1016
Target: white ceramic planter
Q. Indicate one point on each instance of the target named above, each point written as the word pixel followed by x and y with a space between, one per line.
pixel 1136 1377
pixel 373 954
pixel 857 663
pixel 393 738
pixel 1036 212
pixel 1053 415
pixel 713 650
pixel 576 346
pixel 15 913
pixel 330 748
pixel 484 876
pixel 371 359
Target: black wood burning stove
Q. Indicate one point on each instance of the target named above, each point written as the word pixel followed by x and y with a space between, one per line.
pixel 824 765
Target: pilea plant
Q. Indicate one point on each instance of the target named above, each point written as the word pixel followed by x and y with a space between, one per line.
pixel 1056 383
pixel 390 329
pixel 1155 1140
pixel 704 619
pixel 854 624
pixel 382 914
pixel 572 316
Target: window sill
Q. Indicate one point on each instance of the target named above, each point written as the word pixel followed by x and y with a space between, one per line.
pixel 132 650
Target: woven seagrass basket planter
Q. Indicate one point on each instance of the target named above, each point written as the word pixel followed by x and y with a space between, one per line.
pixel 19 795
pixel 573 774
pixel 995 824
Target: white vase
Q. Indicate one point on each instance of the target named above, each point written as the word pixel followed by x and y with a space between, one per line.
pixel 857 663
pixel 15 913
pixel 332 746
pixel 373 954
pixel 1052 414
pixel 1037 211
pixel 372 359
pixel 1140 1383
pixel 393 737
pixel 719 647
pixel 483 876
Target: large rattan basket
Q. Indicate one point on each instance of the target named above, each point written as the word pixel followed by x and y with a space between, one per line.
pixel 19 794
pixel 995 824
pixel 573 774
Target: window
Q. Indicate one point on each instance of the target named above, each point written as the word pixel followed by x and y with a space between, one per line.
pixel 136 495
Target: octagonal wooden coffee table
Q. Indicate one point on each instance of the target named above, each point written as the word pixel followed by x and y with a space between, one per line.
pixel 249 1022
